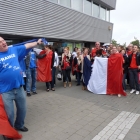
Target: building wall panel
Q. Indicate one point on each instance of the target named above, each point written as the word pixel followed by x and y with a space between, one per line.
pixel 111 3
pixel 46 19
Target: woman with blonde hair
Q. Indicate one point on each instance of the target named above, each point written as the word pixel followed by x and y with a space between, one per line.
pixel 78 66
pixel 66 66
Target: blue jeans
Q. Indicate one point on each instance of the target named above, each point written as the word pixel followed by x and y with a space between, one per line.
pixel 133 75
pixel 19 96
pixel 31 75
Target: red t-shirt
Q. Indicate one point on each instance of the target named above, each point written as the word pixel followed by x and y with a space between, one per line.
pixel 65 63
pixel 133 63
pixel 129 52
pixel 104 52
pixel 93 52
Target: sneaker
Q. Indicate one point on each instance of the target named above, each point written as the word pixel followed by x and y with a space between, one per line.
pixel 47 90
pixel 34 92
pixel 53 89
pixel 132 91
pixel 78 85
pixel 24 129
pixel 119 95
pixel 137 92
pixel 28 94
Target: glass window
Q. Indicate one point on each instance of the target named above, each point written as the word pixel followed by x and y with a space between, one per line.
pixel 66 3
pixel 70 45
pixel 77 5
pixel 78 45
pixel 107 15
pixel 102 13
pixel 95 10
pixel 87 7
pixel 55 1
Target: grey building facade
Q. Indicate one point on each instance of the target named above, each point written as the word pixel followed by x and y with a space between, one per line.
pixel 57 20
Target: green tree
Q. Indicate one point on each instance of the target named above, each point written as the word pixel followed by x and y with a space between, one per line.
pixel 114 42
pixel 136 42
pixel 124 45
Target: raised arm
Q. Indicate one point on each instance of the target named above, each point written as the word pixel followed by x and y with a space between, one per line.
pixel 33 44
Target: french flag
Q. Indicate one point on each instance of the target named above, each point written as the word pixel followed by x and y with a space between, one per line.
pixel 106 76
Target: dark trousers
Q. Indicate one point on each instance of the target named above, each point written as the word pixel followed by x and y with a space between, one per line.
pixel 53 75
pixel 48 85
pixel 123 82
pixel 127 77
pixel 79 75
pixel 66 75
pixel 133 76
pixel 24 86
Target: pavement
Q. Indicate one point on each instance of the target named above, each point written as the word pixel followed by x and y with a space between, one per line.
pixel 73 114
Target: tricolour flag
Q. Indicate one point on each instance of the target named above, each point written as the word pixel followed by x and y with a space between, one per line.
pixel 106 76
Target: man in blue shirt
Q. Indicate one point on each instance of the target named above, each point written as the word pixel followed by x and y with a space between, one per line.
pixel 31 72
pixel 11 81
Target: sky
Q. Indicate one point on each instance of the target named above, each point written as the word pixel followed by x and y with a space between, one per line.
pixel 126 19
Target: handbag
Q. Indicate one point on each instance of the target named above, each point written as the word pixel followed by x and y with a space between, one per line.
pixel 59 75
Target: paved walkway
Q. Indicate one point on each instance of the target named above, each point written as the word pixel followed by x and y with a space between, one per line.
pixel 74 114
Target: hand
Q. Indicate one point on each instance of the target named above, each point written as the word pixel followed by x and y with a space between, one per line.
pixel 138 67
pixel 39 41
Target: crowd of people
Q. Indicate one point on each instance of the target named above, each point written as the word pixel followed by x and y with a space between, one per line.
pixel 23 66
pixel 73 62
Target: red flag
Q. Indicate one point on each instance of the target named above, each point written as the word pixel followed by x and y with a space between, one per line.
pixel 115 75
pixel 5 128
pixel 44 73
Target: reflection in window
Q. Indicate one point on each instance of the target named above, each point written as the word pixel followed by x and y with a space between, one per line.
pixel 55 1
pixel 77 5
pixel 87 7
pixel 66 3
pixel 102 13
pixel 95 10
pixel 107 15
